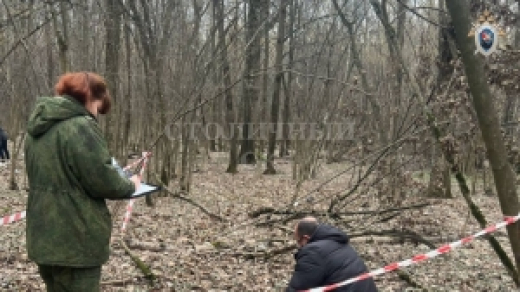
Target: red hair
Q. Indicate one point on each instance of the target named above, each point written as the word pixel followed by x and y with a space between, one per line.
pixel 85 87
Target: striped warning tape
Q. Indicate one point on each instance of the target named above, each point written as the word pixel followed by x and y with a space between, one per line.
pixel 419 258
pixel 13 218
pixel 146 155
pixel 130 205
pixel 128 212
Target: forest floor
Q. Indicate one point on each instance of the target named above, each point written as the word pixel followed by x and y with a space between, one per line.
pixel 189 251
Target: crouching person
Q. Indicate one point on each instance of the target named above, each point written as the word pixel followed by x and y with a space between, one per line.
pixel 325 258
pixel 70 175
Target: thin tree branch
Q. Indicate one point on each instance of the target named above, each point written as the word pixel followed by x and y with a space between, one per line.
pixel 414 11
pixel 179 195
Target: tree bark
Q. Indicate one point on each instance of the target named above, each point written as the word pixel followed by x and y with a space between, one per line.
pixel 286 116
pixel 112 48
pixel 230 115
pixel 215 108
pixel 128 93
pixel 440 181
pixel 251 84
pixel 275 106
pixel 61 33
pixel 511 97
pixel 265 78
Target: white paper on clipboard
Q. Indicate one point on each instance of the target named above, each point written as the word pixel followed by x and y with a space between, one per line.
pixel 143 189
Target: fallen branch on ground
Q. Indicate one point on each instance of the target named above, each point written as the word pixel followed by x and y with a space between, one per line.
pixel 115 283
pixel 147 247
pixel 280 220
pixel 408 279
pixel 266 254
pixel 401 234
pixel 403 275
pixel 147 272
pixel 179 195
pixel 272 211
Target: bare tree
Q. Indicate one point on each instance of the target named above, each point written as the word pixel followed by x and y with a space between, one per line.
pixel 488 121
pixel 287 82
pixel 275 106
pixel 112 48
pixel 230 114
pixel 251 81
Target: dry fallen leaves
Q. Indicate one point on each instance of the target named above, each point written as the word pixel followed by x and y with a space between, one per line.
pixel 188 251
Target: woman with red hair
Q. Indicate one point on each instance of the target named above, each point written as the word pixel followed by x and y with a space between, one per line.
pixel 70 175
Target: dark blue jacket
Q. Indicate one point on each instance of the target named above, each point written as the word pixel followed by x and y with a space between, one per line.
pixel 328 259
pixel 3 135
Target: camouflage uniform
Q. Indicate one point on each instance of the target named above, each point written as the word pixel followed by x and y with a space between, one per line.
pixel 70 176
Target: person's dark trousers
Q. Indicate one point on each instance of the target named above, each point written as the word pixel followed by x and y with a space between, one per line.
pixel 4 153
pixel 70 279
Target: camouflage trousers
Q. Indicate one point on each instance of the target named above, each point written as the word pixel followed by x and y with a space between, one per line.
pixel 70 279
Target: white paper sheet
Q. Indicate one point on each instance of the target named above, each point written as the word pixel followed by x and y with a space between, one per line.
pixel 143 188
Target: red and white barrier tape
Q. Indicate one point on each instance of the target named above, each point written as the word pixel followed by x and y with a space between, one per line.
pixel 130 205
pixel 13 218
pixel 418 258
pixel 126 219
pixel 146 155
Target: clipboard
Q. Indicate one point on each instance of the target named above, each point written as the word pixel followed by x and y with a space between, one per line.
pixel 143 190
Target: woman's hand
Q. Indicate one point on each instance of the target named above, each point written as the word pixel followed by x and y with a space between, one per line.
pixel 136 179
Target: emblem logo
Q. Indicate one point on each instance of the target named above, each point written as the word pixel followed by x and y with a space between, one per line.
pixel 485 39
pixel 487 34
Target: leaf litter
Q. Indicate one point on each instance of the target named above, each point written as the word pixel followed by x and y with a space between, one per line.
pixel 189 251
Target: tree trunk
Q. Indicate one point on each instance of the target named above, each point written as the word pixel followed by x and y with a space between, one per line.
pixel 183 181
pixel 511 97
pixel 265 79
pixel 393 41
pixel 356 59
pixel 275 106
pixel 50 58
pixel 230 115
pixel 214 74
pixel 439 185
pixel 128 94
pixel 250 83
pixel 112 48
pixel 61 33
pixel 488 121
pixel 286 143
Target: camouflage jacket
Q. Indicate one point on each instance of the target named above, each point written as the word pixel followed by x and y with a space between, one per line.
pixel 70 175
